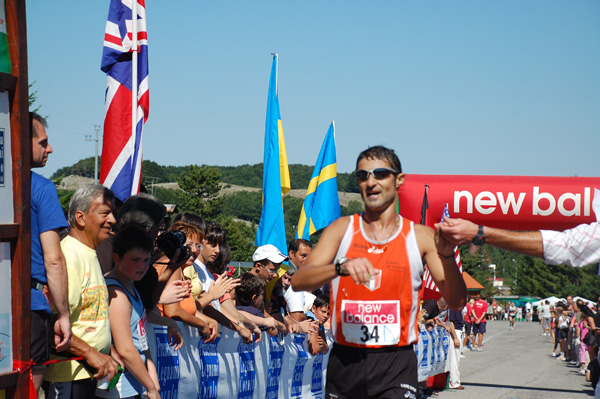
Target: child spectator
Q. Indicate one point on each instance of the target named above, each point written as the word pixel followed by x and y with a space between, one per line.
pixel 319 311
pixel 132 249
pixel 249 297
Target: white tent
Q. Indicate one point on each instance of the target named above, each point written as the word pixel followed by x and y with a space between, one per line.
pixel 552 299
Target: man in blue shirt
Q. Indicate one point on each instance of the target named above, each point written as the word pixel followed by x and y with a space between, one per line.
pixel 48 268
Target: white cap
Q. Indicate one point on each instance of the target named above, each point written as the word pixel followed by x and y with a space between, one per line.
pixel 269 252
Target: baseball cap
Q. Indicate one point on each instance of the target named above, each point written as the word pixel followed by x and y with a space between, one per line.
pixel 269 252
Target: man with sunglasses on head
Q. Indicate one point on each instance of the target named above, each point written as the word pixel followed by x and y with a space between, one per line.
pixel 375 263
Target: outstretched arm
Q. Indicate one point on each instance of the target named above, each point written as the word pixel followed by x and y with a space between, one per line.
pixel 461 232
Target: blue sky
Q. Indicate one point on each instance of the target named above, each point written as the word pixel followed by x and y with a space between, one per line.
pixel 460 87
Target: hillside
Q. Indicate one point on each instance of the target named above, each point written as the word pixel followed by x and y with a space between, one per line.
pixel 242 175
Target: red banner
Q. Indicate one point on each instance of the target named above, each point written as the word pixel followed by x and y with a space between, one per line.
pixel 509 202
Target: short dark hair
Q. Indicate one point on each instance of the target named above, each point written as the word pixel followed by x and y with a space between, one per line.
pixel 250 285
pixel 382 153
pixel 294 245
pixel 142 209
pixel 131 237
pixel 321 300
pixel 34 116
pixel 191 218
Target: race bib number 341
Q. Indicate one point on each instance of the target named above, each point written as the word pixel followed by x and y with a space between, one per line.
pixel 368 323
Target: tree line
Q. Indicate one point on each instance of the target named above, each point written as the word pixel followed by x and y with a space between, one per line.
pixel 239 213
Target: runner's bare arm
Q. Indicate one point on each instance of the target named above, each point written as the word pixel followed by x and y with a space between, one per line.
pixel 443 269
pixel 319 269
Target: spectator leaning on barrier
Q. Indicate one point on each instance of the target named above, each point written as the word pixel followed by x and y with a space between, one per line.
pixel 48 268
pixel 374 261
pixel 91 219
pixel 249 300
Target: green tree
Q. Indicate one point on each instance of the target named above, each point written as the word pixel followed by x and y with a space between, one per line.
pixel 245 205
pixel 240 237
pixel 201 191
pixel 64 197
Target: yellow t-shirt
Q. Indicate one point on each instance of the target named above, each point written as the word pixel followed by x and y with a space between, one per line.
pixel 88 305
pixel 191 274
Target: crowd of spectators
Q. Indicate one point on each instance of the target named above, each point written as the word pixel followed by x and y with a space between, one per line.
pixel 135 267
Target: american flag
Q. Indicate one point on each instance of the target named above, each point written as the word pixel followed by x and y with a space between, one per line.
pixel 122 150
pixel 427 279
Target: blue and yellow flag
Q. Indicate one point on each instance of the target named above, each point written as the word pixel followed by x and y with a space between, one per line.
pixel 276 175
pixel 322 203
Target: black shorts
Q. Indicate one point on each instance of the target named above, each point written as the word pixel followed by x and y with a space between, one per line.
pixel 42 336
pixel 564 332
pixel 468 329
pixel 479 328
pixel 389 372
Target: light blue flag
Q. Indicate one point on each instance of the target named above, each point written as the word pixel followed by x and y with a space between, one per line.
pixel 322 203
pixel 276 175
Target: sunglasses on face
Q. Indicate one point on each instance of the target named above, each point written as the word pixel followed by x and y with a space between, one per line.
pixel 379 173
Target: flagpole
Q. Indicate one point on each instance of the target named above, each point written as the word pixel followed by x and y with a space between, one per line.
pixel 134 86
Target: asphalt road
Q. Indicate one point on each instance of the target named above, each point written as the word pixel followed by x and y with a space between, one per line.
pixel 517 364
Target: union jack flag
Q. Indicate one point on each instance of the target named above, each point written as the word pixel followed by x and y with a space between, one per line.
pixel 427 279
pixel 122 150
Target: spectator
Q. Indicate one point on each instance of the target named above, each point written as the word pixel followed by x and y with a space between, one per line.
pixel 249 300
pixel 185 310
pixel 298 250
pixel 434 313
pixel 479 323
pixel 468 323
pixel 455 321
pixel 91 219
pixel 48 269
pixel 546 316
pixel 319 311
pixel 132 249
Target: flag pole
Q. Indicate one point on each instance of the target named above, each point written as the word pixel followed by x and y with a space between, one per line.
pixel 134 85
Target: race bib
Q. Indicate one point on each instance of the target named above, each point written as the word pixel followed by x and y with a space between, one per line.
pixel 142 332
pixel 371 323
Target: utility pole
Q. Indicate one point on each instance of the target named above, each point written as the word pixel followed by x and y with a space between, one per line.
pixel 88 137
pixel 153 182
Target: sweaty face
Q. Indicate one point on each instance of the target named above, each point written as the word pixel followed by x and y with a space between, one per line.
pixel 378 194
pixel 300 256
pixel 133 265
pixel 99 220
pixel 40 147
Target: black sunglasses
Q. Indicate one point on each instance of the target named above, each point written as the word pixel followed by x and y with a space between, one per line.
pixel 379 173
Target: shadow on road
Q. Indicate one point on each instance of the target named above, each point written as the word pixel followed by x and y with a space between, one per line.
pixel 524 388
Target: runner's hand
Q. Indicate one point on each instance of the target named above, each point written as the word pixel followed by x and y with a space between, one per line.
pixel 360 269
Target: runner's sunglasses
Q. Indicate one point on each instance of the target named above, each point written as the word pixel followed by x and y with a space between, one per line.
pixel 379 173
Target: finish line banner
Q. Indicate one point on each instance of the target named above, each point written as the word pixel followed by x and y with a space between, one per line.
pixel 276 367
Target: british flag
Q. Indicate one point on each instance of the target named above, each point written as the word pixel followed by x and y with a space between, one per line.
pixel 121 149
pixel 427 279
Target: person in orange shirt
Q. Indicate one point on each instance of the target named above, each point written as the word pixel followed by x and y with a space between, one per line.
pixel 374 261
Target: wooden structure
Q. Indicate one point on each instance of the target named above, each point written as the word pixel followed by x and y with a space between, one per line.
pixel 15 384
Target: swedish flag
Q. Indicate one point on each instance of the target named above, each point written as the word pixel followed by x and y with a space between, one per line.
pixel 276 175
pixel 322 203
